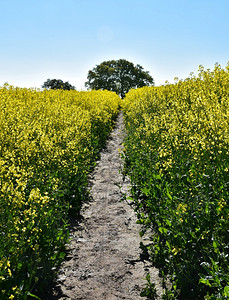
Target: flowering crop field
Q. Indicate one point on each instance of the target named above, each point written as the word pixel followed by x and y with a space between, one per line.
pixel 49 141
pixel 177 156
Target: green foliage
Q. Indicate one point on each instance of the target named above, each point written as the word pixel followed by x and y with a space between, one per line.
pixel 176 154
pixel 149 291
pixel 118 76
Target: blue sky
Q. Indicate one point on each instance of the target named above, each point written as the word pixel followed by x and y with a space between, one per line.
pixel 64 39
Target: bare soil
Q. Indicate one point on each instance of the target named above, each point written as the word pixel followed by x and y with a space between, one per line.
pixel 104 260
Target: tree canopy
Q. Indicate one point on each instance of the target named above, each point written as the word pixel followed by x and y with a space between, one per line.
pixel 118 76
pixel 57 84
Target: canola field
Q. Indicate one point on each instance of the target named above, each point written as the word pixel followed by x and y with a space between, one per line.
pixel 177 156
pixel 49 141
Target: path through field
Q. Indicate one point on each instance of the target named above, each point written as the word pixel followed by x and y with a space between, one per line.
pixel 104 260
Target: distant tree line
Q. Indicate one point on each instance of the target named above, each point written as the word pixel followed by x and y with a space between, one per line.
pixel 57 84
pixel 118 76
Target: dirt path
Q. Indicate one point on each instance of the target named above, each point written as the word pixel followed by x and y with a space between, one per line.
pixel 104 256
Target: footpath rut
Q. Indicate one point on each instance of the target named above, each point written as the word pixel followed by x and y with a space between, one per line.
pixel 104 260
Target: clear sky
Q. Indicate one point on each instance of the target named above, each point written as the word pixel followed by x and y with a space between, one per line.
pixel 64 39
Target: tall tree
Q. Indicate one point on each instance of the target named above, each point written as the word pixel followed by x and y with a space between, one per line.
pixel 118 76
pixel 57 84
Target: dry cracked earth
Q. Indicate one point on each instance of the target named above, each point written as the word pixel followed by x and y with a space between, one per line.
pixel 104 259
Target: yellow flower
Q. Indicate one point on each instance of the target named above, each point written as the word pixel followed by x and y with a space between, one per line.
pixel 175 251
pixel 181 208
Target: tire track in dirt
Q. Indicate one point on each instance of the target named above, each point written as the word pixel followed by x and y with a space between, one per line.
pixel 103 260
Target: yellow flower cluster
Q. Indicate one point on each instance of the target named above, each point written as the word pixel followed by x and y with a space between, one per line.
pixel 48 141
pixel 192 114
pixel 189 120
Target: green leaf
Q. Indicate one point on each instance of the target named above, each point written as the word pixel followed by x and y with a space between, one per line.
pixel 141 233
pixel 168 193
pixel 163 230
pixel 62 255
pixel 214 244
pixel 145 191
pixel 168 222
pixel 168 244
pixel 205 281
pixel 34 296
pixel 157 176
pixel 226 291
